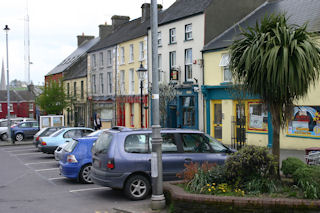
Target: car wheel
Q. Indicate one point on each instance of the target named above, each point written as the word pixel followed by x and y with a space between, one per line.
pixel 85 174
pixel 19 137
pixel 4 137
pixel 137 187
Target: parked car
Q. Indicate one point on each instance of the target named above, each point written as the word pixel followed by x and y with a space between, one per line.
pixel 50 143
pixel 22 130
pixel 44 133
pixel 58 153
pixel 4 126
pixel 76 159
pixel 121 157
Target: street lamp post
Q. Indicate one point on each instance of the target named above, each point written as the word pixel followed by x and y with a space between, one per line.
pixel 8 87
pixel 157 199
pixel 141 74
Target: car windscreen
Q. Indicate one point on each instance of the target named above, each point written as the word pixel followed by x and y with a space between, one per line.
pixel 102 143
pixel 57 133
pixel 216 145
pixel 70 146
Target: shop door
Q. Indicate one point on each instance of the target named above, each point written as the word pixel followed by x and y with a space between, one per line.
pixel 172 117
pixel 217 120
pixel 188 118
pixel 240 126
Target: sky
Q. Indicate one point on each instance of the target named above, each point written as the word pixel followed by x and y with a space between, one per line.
pixel 53 29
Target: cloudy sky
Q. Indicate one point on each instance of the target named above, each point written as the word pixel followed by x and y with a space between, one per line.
pixel 53 27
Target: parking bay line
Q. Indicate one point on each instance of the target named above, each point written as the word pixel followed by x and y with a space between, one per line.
pixel 40 170
pixel 26 164
pixel 36 153
pixel 17 150
pixel 57 178
pixel 88 189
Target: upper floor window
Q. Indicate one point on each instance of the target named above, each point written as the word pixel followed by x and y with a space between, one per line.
pixel 188 32
pixel 109 78
pixel 0 107
pixel 188 64
pixel 131 81
pixel 159 39
pixel 224 63
pixel 173 69
pixel 11 107
pixel 101 83
pixel 132 115
pixel 172 36
pixel 101 59
pixel 68 90
pixel 94 84
pixel 82 89
pixel 141 50
pixel 74 89
pixel 94 61
pixel 109 58
pixel 30 106
pixel 131 59
pixel 122 55
pixel 122 82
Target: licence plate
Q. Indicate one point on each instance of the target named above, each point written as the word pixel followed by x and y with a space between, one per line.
pixel 96 163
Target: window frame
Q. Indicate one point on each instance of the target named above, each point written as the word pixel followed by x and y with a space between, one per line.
pixel 82 90
pixel 141 51
pixel 131 81
pixel 101 59
pixel 172 36
pixel 122 58
pixel 188 32
pixel 109 58
pixel 188 64
pixel 159 39
pixel 94 61
pixel 131 53
pixel 31 107
pixel 109 80
pixel 101 83
pixel 94 84
pixel 75 89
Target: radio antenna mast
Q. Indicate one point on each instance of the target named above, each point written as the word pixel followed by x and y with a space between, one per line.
pixel 26 47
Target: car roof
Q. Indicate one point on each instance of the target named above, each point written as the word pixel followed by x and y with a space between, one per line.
pixel 149 130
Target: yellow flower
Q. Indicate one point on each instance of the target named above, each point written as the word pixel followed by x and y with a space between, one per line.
pixel 214 184
pixel 224 190
pixel 209 190
pixel 208 184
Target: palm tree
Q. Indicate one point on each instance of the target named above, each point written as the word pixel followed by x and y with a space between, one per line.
pixel 279 62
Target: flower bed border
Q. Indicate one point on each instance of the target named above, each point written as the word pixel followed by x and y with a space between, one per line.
pixel 182 201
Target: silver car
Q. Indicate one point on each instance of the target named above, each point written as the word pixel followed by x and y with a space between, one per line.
pixel 4 126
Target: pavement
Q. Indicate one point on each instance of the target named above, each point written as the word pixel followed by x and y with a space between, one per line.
pixel 145 208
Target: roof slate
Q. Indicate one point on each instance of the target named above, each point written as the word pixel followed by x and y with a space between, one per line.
pixel 17 96
pixel 73 57
pixel 298 12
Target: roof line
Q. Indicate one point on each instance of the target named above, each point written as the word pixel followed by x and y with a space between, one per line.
pixel 236 24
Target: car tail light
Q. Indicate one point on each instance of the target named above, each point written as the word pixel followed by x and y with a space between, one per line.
pixel 37 139
pixel 43 143
pixel 71 159
pixel 110 164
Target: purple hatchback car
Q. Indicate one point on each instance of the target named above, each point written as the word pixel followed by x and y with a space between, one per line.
pixel 121 157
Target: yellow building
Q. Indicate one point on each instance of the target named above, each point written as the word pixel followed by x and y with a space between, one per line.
pixel 131 54
pixel 232 117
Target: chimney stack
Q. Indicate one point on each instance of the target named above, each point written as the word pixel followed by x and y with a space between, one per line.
pixel 119 20
pixel 83 38
pixel 145 9
pixel 104 30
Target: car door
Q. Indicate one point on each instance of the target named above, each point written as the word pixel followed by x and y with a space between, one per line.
pixel 172 160
pixel 34 128
pixel 197 149
pixel 26 128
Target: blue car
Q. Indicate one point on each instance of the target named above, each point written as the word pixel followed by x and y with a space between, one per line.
pixel 50 143
pixel 76 159
pixel 22 130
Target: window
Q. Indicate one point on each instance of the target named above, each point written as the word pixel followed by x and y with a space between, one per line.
pixel 11 107
pixel 122 83
pixel 169 144
pixel 101 83
pixel 75 89
pixel 173 69
pixel 30 106
pixel 94 84
pixel 68 90
pixel 101 59
pixel 131 54
pixel 159 39
pixel 172 36
pixel 136 144
pixel 122 55
pixel 109 77
pixel 131 81
pixel 224 62
pixel 188 32
pixel 141 50
pixel 0 107
pixel 160 68
pixel 94 61
pixel 258 116
pixel 75 133
pixel 109 58
pixel 82 90
pixel 188 64
pixel 188 111
pixel 132 115
pixel 195 143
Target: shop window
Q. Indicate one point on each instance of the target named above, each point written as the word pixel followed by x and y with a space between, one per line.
pixel 258 116
pixel 132 115
pixel 188 111
pixel 305 121
pixel 224 63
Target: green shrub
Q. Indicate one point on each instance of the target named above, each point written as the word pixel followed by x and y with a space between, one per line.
pixel 308 179
pixel 251 162
pixel 290 165
pixel 261 185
